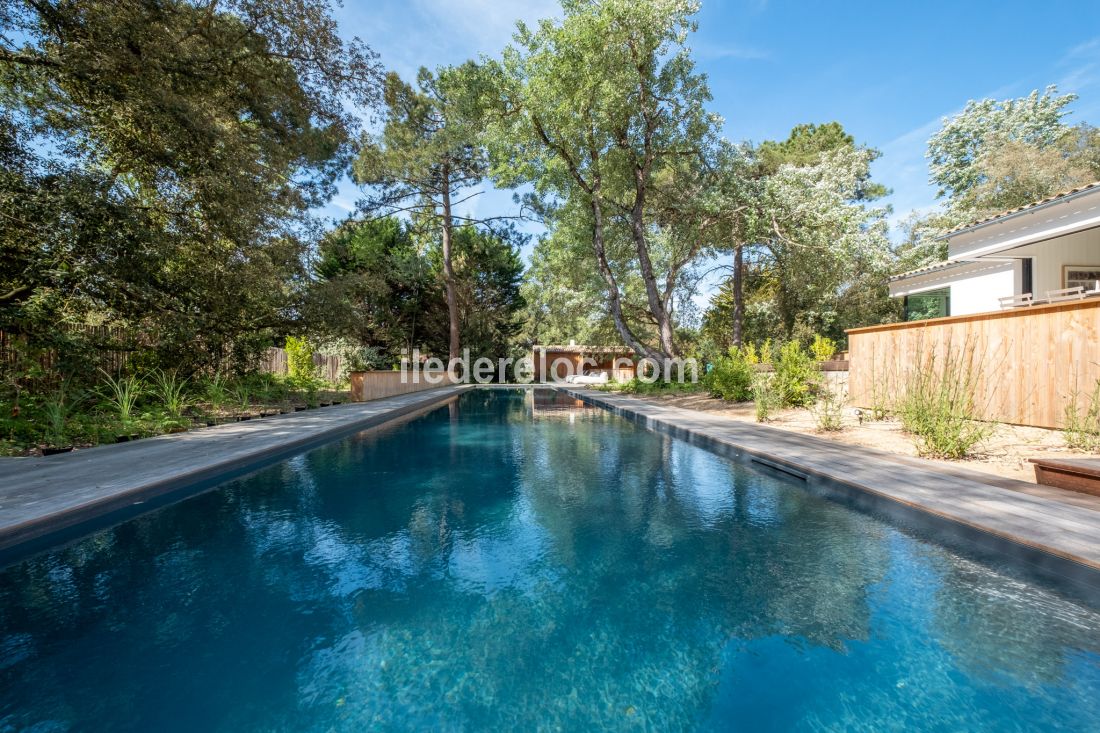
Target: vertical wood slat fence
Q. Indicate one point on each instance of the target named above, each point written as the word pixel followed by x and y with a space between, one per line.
pixel 375 385
pixel 328 366
pixel 117 346
pixel 1027 362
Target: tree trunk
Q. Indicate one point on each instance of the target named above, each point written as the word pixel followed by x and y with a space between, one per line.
pixel 454 349
pixel 637 230
pixel 738 297
pixel 615 302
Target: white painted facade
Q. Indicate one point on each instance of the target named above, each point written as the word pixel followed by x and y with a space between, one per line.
pixel 1060 238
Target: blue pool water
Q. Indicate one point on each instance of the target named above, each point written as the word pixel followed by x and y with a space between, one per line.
pixel 512 562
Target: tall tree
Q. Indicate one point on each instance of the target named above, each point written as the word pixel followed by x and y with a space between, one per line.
pixel 605 110
pixel 162 157
pixel 996 155
pixel 488 272
pixel 426 161
pixel 376 288
pixel 758 223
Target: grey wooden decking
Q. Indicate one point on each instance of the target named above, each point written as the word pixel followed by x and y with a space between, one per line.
pixel 1062 524
pixel 42 495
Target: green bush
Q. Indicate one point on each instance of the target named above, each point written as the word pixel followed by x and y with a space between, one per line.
pixel 939 410
pixel 765 395
pixel 1082 430
pixel 731 376
pixel 828 410
pixel 299 359
pixel 796 376
pixel 822 348
pixel 638 387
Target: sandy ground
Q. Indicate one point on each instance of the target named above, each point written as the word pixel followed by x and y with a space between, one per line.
pixel 1005 453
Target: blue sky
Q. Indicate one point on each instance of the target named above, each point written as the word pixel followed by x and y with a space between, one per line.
pixel 888 71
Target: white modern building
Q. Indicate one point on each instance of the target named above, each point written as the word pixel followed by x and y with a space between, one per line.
pixel 1045 251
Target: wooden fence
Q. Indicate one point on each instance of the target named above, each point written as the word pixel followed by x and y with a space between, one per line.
pixel 113 348
pixel 329 366
pixel 375 385
pixel 1027 363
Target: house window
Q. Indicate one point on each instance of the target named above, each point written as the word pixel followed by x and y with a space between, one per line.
pixel 929 304
pixel 1087 276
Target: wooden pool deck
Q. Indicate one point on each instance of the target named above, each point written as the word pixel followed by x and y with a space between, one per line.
pixel 40 496
pixel 1037 524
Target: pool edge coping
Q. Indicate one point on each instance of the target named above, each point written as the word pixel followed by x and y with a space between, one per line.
pixel 1048 562
pixel 24 538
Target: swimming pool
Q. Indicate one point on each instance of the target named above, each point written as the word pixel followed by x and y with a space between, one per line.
pixel 514 560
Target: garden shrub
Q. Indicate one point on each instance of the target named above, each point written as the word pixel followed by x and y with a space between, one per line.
pixel 1082 429
pixel 731 376
pixel 796 376
pixel 939 409
pixel 822 348
pixel 299 359
pixel 828 410
pixel 765 395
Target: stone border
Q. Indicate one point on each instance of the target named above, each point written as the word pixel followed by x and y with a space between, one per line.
pixel 1056 543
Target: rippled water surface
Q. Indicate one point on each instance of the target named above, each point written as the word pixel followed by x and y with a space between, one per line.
pixel 511 562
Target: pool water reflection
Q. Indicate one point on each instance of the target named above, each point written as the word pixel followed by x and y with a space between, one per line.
pixel 513 562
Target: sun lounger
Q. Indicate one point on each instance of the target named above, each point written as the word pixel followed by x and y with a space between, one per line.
pixel 600 378
pixel 1074 293
pixel 1016 301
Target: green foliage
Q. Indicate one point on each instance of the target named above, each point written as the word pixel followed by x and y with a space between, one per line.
pixel 638 387
pixel 828 411
pixel 822 348
pixel 766 395
pixel 643 137
pixel 796 378
pixel 170 390
pixel 731 376
pixel 158 165
pixel 299 358
pixel 58 408
pixel 242 396
pixel 488 271
pixel 955 152
pixel 1082 422
pixel 376 289
pixel 938 407
pixel 122 395
pixel 217 391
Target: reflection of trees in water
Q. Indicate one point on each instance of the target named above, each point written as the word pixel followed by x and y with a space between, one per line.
pixel 461 572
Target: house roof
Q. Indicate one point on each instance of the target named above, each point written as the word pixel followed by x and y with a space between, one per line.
pixel 934 267
pixel 1021 209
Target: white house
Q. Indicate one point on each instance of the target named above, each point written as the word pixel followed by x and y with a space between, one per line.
pixel 1027 255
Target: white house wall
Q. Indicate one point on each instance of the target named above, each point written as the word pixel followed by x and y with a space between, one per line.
pixel 975 286
pixel 980 292
pixel 1051 256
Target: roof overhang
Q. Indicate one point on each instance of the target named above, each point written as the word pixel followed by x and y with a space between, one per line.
pixel 1055 217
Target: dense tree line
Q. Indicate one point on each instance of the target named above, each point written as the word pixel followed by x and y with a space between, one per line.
pixel 159 160
pixel 162 162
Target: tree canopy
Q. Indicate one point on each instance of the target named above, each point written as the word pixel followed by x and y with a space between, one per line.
pixel 160 160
